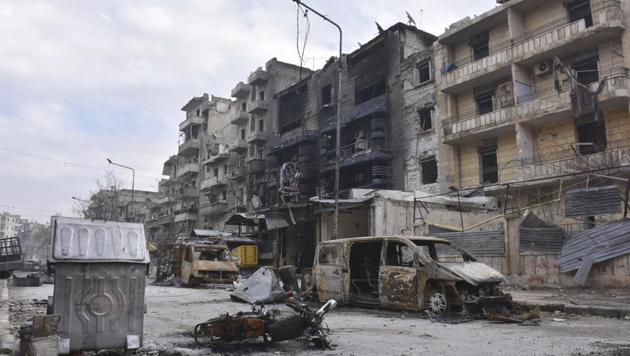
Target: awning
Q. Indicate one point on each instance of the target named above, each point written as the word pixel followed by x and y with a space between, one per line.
pixel 207 233
pixel 240 240
pixel 247 219
pixel 276 223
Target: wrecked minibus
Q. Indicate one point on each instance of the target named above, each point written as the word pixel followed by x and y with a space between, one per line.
pixel 405 272
pixel 198 262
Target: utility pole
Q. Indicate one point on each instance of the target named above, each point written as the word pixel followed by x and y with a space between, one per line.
pixel 133 184
pixel 338 120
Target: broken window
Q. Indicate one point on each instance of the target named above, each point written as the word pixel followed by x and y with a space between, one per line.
pixel 242 134
pixel 399 254
pixel 327 95
pixel 479 46
pixel 591 134
pixel 580 9
pixel 216 172
pixel 365 261
pixel 485 102
pixel 261 125
pixel 243 106
pixel 328 255
pixel 426 123
pixel 424 72
pixel 214 255
pixel 224 195
pixel 368 92
pixel 291 108
pixel 489 164
pixel 261 95
pixel 586 70
pixel 225 169
pixel 429 170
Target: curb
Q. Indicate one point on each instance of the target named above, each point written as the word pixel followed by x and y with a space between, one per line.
pixel 608 312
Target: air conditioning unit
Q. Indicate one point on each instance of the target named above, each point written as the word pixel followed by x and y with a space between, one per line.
pixel 542 68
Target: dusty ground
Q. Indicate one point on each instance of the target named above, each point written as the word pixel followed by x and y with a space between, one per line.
pixel 172 313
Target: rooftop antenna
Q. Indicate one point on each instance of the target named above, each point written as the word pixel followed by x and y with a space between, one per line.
pixel 410 20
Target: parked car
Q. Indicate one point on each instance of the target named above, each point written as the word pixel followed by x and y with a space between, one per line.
pixel 198 262
pixel 404 272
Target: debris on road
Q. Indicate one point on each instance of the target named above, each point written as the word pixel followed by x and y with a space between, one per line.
pixel 261 287
pixel 504 315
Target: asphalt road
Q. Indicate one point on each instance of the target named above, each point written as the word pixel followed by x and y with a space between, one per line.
pixel 173 312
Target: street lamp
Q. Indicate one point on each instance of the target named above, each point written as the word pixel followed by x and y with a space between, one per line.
pixel 133 182
pixel 338 121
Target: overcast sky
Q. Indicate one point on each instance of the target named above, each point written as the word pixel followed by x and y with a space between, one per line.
pixel 81 81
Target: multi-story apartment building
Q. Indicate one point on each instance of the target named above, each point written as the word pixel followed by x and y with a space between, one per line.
pixel 9 225
pixel 375 118
pixel 510 114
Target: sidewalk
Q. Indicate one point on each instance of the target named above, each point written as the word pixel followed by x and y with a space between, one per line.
pixel 609 302
pixel 7 342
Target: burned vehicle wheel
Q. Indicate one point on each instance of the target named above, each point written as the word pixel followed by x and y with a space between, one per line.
pixel 436 302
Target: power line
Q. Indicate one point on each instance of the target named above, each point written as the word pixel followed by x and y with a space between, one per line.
pixel 68 163
pixel 25 208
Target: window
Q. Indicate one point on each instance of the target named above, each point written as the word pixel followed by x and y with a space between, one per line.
pixel 225 169
pixel 484 102
pixel 216 172
pixel 253 93
pixel 399 254
pixel 328 255
pixel 425 119
pixel 429 170
pixel 198 112
pixel 479 46
pixel 586 70
pixel 373 90
pixel 243 106
pixel 224 195
pixel 242 134
pixel 327 95
pixel 424 72
pixel 580 9
pixel 261 125
pixel 489 165
pixel 591 134
pixel 261 95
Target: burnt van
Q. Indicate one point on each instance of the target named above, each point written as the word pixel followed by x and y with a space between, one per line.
pixel 404 272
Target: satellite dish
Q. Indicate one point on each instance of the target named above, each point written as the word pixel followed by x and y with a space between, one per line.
pixel 256 203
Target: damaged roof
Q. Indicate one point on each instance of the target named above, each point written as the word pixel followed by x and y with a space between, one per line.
pixel 598 244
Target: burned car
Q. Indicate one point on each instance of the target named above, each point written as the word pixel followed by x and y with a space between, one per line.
pixel 405 272
pixel 197 262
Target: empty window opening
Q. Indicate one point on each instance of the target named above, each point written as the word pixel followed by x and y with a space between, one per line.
pixel 242 134
pixel 261 95
pixel 591 134
pixel 580 9
pixel 429 170
pixel 253 93
pixel 252 124
pixel 425 119
pixel 224 195
pixel 424 72
pixel 489 165
pixel 327 95
pixel 479 46
pixel 586 70
pixel 261 125
pixel 373 90
pixel 243 106
pixel 291 109
pixel 485 102
pixel 328 255
pixel 399 254
pixel 216 172
pixel 198 112
pixel 365 260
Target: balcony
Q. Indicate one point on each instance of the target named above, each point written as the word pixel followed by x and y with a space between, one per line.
pixel 238 146
pixel 213 182
pixel 192 120
pixel 257 106
pixel 537 108
pixel 241 90
pixel 616 154
pixel 188 192
pixel 216 208
pixel 300 138
pixel 239 118
pixel 185 216
pixel 351 156
pixel 377 105
pixel 235 173
pixel 165 219
pixel 255 164
pixel 190 146
pixel 258 76
pixel 260 136
pixel 188 168
pixel 556 38
pixel 218 157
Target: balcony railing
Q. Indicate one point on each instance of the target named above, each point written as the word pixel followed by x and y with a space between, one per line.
pixel 240 118
pixel 258 136
pixel 192 120
pixel 185 217
pixel 238 146
pixel 534 42
pixel 215 208
pixel 189 146
pixel 241 90
pixel 258 76
pixel 257 106
pixel 546 101
pixel 217 157
pixel 188 168
pixel 351 155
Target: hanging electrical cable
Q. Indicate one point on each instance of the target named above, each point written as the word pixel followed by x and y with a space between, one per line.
pixel 301 51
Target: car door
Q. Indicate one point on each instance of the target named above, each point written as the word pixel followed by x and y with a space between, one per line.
pixel 397 276
pixel 328 272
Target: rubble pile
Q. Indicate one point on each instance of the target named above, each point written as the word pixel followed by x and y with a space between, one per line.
pixel 22 312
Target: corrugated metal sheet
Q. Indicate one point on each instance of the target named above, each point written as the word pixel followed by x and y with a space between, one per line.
pixel 80 240
pixel 602 243
pixel 477 243
pixel 592 201
pixel 541 239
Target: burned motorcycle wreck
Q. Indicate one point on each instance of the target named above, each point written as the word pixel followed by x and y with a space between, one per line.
pixel 304 324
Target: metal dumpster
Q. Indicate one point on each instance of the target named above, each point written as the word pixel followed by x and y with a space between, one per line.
pixel 100 271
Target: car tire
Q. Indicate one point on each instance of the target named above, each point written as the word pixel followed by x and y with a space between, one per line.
pixel 436 302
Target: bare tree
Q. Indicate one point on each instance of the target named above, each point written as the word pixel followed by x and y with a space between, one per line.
pixel 102 203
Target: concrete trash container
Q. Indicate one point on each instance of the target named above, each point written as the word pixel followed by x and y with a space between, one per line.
pixel 100 271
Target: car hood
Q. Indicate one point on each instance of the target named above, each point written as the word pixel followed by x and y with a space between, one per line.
pixel 475 273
